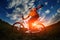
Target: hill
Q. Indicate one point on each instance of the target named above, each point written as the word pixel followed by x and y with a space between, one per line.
pixel 8 32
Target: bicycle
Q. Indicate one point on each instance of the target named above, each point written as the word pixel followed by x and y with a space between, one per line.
pixel 37 26
pixel 34 27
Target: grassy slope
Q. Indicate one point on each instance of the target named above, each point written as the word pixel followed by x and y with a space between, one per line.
pixel 8 32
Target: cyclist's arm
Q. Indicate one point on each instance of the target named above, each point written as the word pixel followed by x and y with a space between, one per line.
pixel 39 7
pixel 25 18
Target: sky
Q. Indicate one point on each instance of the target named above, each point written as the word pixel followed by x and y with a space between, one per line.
pixel 11 10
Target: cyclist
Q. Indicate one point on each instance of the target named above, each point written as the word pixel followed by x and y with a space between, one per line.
pixel 33 14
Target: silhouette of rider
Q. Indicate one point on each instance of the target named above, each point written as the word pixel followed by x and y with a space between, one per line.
pixel 33 14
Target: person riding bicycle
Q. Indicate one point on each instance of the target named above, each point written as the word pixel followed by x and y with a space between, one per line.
pixel 33 14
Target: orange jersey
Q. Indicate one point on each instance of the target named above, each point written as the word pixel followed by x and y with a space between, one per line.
pixel 33 12
pixel 34 15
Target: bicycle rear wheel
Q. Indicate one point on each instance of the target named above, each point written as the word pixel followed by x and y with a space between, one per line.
pixel 18 25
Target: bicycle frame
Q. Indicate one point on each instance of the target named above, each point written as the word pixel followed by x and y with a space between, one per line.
pixel 35 26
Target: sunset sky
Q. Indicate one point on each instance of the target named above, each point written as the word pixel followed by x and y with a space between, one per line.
pixel 11 10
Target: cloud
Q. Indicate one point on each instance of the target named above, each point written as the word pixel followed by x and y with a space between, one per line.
pixel 54 19
pixel 21 7
pixel 14 3
pixel 57 1
pixel 58 10
pixel 47 11
pixel 51 6
pixel 46 3
pixel 13 16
